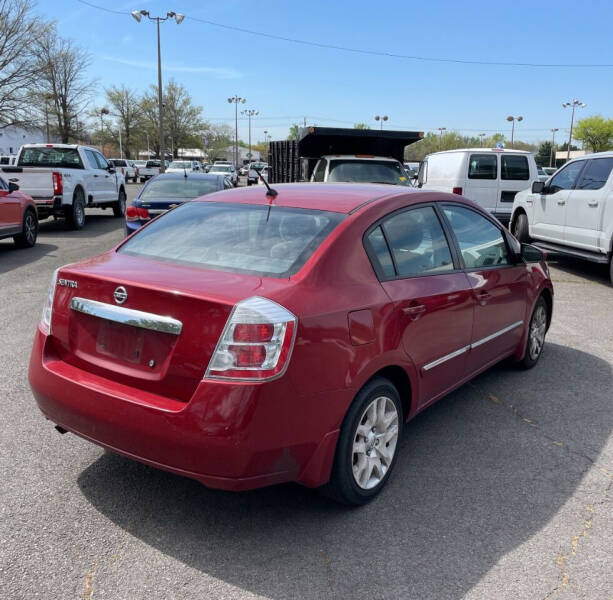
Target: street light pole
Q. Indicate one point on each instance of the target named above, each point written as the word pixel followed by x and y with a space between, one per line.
pixel 512 120
pixel 440 137
pixel 574 105
pixel 482 135
pixel 236 100
pixel 381 118
pixel 250 112
pixel 553 145
pixel 178 17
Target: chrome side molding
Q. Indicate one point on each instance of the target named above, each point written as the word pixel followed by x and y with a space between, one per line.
pixel 126 316
pixel 489 338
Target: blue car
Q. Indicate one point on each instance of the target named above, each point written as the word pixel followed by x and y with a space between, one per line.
pixel 166 191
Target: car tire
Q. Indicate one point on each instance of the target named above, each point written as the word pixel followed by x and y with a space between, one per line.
pixel 537 329
pixel 119 207
pixel 75 214
pixel 520 228
pixel 142 180
pixel 368 444
pixel 29 230
pixel 611 269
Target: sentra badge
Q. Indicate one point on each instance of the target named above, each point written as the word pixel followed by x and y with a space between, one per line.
pixel 67 283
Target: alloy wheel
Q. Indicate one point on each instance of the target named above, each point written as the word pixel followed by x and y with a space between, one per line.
pixel 374 444
pixel 30 229
pixel 538 328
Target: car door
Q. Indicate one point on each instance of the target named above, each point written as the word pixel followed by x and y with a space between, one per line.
pixel 549 208
pixel 500 286
pixel 93 177
pixel 482 179
pixel 108 181
pixel 583 226
pixel 10 209
pixel 432 297
pixel 514 177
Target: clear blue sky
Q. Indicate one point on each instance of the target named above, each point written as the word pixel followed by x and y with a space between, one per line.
pixel 286 81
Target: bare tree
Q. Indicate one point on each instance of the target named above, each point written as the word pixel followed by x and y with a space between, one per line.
pixel 18 69
pixel 124 105
pixel 62 79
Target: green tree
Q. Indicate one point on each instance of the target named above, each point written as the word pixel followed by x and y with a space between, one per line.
pixel 595 132
pixel 217 139
pixel 361 126
pixel 543 156
pixel 294 132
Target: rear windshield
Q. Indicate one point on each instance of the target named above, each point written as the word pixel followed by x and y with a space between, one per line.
pixel 179 188
pixel 368 171
pixel 153 163
pixel 176 164
pixel 118 163
pixel 222 168
pixel 272 241
pixel 50 157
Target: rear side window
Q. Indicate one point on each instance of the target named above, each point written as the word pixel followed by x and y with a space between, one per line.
pixel 596 174
pixel 272 241
pixel 417 242
pixel 482 166
pixel 514 166
pixel 380 252
pixel 481 242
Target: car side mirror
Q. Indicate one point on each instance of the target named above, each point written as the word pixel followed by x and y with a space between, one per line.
pixel 538 187
pixel 111 169
pixel 13 187
pixel 532 254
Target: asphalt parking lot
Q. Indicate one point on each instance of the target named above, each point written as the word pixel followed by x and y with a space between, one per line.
pixel 502 490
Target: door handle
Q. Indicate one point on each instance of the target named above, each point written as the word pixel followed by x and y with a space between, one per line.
pixel 561 202
pixel 95 175
pixel 593 203
pixel 483 296
pixel 414 310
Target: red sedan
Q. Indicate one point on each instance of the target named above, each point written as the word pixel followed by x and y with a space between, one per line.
pixel 18 216
pixel 246 339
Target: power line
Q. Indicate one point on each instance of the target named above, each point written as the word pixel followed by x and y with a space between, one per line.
pixel 381 53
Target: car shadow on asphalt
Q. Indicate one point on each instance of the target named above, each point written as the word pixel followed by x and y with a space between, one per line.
pixel 479 473
pixel 13 258
pixel 96 224
pixel 584 270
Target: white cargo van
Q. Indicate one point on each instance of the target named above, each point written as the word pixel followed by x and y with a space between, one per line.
pixel 489 176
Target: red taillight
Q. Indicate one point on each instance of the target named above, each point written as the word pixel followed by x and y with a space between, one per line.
pixel 256 343
pixel 135 213
pixel 249 332
pixel 58 184
pixel 457 190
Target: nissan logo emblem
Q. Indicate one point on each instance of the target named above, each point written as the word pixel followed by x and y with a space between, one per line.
pixel 120 295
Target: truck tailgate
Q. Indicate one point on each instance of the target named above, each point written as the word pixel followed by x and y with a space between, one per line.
pixel 37 183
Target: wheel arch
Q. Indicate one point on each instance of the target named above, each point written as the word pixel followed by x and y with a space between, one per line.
pixel 520 210
pixel 548 297
pixel 398 376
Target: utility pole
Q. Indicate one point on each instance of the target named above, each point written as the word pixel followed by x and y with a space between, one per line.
pixel 553 146
pixel 250 112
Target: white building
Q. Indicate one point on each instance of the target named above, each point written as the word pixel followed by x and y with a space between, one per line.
pixel 12 138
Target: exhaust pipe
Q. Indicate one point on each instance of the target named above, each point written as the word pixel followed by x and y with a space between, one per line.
pixel 61 429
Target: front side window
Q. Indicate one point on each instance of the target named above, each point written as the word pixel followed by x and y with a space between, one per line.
pixel 566 177
pixel 239 238
pixel 482 166
pixel 102 163
pixel 417 242
pixel 514 166
pixel 320 171
pixel 481 242
pixel 596 174
pixel 91 159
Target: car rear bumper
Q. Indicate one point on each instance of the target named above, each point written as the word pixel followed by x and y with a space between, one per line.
pixel 231 436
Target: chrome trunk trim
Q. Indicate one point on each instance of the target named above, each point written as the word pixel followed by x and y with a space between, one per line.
pixel 126 316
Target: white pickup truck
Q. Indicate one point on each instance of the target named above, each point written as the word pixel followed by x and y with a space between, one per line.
pixel 64 179
pixel 572 212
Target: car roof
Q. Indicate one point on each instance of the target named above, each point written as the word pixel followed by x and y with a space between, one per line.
pixel 483 150
pixel 181 175
pixel 333 197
